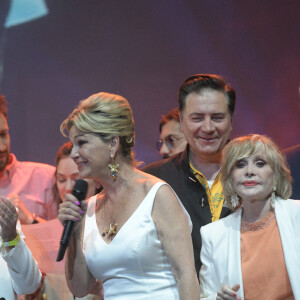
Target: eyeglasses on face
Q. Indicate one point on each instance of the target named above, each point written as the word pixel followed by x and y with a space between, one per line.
pixel 169 140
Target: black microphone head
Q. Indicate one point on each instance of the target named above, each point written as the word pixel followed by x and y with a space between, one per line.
pixel 80 189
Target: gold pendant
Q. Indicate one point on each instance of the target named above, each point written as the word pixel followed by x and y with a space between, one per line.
pixel 112 231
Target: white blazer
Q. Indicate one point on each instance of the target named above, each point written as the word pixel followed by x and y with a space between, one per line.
pixel 19 272
pixel 221 250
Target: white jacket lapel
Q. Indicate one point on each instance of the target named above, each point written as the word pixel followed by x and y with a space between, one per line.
pixel 234 253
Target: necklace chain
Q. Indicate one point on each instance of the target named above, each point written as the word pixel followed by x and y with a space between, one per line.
pixel 111 231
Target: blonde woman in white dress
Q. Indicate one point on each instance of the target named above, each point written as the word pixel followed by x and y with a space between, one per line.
pixel 134 236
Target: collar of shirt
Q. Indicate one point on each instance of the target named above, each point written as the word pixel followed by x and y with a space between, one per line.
pixel 214 194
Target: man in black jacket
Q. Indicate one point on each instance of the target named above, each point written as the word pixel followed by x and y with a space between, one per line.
pixel 206 105
pixel 293 159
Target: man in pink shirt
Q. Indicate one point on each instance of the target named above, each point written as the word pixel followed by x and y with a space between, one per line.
pixel 27 184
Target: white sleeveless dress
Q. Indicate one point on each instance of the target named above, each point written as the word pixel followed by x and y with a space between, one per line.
pixel 134 266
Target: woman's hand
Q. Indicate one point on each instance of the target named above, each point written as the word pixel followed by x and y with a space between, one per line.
pixel 228 293
pixel 8 220
pixel 71 209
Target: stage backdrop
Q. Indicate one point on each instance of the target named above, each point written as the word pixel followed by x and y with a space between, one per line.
pixel 64 50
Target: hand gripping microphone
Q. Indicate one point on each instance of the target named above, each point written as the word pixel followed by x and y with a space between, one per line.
pixel 79 191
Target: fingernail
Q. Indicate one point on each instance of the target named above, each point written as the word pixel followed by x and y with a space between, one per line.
pixel 234 294
pixel 77 219
pixel 81 212
pixel 77 202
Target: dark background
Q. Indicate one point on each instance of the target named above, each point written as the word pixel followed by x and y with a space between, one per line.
pixel 144 50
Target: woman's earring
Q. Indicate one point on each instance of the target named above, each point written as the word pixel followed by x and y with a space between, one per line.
pixel 113 168
pixel 273 197
pixel 234 200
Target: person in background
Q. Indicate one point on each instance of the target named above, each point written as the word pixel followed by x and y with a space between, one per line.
pixel 293 158
pixel 28 185
pixel 19 272
pixel 206 105
pixel 171 140
pixel 132 242
pixel 66 175
pixel 253 253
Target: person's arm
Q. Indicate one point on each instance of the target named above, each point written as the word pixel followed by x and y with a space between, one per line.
pixel 174 233
pixel 25 216
pixel 23 269
pixel 25 274
pixel 79 279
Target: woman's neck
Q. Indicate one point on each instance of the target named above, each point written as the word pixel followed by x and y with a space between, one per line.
pixel 254 211
pixel 113 188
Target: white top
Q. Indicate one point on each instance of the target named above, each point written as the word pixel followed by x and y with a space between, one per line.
pixel 134 265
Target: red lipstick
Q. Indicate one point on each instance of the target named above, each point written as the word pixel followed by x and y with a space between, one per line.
pixel 250 183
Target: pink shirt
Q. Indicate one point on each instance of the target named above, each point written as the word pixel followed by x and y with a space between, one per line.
pixel 33 183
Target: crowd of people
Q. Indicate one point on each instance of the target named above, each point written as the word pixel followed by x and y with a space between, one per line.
pixel 208 221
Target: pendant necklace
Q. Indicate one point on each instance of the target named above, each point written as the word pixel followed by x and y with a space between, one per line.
pixel 111 231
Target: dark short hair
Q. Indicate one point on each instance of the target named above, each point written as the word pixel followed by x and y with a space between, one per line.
pixel 3 106
pixel 198 83
pixel 172 114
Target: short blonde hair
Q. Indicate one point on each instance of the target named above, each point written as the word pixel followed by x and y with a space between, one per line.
pixel 106 115
pixel 247 146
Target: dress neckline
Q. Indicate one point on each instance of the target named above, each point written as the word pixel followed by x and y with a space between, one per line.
pixel 130 217
pixel 261 224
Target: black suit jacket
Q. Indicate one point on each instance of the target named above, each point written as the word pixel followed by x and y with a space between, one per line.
pixel 293 159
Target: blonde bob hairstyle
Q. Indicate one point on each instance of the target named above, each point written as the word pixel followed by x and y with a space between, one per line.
pixel 255 144
pixel 106 115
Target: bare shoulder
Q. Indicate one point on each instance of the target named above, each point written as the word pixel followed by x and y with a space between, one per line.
pixel 147 181
pixel 166 198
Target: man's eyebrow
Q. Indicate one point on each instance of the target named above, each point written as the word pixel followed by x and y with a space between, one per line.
pixel 218 114
pixel 196 114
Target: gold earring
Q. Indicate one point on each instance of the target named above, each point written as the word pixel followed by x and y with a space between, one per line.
pixel 113 168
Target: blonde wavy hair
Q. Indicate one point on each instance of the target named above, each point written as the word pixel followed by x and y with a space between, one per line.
pixel 247 146
pixel 106 115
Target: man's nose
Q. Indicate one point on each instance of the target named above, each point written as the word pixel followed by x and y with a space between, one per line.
pixel 207 125
pixel 164 150
pixel 3 145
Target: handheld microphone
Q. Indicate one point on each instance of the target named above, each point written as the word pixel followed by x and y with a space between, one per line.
pixel 79 191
